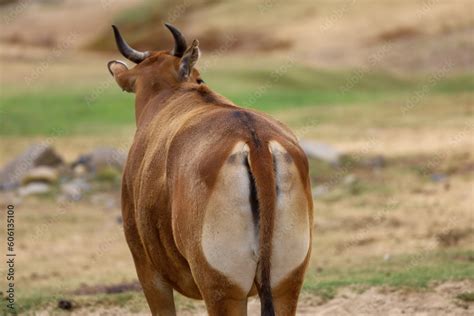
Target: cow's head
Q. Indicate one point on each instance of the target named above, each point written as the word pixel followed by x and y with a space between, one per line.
pixel 156 70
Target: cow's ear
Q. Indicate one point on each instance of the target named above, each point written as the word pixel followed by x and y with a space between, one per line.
pixel 125 79
pixel 189 59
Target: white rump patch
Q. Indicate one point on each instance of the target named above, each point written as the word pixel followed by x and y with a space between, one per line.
pixel 291 235
pixel 229 241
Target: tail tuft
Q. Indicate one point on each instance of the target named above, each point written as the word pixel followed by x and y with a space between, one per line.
pixel 266 301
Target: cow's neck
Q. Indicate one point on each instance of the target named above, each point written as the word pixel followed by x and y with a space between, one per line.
pixel 147 105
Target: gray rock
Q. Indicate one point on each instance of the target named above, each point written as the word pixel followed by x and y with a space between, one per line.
pixel 376 162
pixel 36 155
pixel 105 200
pixel 34 188
pixel 350 179
pixel 321 151
pixel 102 158
pixel 320 190
pixel 75 189
pixel 439 177
pixel 41 174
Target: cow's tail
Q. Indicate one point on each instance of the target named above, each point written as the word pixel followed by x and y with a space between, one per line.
pixel 263 186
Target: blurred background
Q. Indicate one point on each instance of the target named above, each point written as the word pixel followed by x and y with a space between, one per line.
pixel 380 93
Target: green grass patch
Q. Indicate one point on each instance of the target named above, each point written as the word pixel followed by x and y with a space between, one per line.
pixel 459 83
pixel 63 113
pixel 25 304
pixel 466 297
pixel 415 271
pixel 102 109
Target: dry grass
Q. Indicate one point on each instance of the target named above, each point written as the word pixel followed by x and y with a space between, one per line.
pixel 328 34
pixel 435 125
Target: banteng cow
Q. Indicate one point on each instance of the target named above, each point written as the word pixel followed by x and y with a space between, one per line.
pixel 216 199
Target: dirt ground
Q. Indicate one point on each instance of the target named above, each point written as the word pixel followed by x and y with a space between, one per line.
pixel 379 301
pixel 437 301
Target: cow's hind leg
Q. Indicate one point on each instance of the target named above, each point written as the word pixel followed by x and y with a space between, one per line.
pixel 222 296
pixel 291 235
pixel 285 296
pixel 159 294
pixel 227 307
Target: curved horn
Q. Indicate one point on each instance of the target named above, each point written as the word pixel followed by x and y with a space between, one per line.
pixel 128 52
pixel 179 40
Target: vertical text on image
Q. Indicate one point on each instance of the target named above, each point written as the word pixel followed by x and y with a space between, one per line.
pixel 10 258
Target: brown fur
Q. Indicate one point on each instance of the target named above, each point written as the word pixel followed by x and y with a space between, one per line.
pixel 185 134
